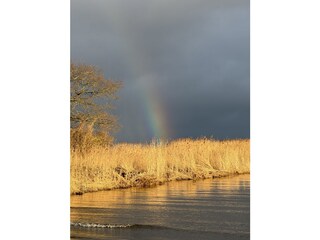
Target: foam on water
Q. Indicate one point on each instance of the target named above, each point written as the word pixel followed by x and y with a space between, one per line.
pixel 97 225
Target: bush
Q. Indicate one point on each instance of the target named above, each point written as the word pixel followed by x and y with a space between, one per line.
pixel 83 139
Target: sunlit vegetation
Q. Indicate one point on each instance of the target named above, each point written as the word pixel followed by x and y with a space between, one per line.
pixel 143 165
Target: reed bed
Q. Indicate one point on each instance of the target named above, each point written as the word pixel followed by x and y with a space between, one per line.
pixel 143 165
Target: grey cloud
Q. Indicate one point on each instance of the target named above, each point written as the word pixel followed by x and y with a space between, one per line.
pixel 196 55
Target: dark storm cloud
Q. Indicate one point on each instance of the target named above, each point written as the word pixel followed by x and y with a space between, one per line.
pixel 194 53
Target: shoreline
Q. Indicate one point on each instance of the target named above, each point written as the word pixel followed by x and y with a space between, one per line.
pixel 150 184
pixel 147 165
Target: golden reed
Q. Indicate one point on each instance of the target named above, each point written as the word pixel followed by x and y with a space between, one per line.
pixel 141 165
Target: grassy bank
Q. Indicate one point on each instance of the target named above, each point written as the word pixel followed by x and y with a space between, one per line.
pixel 128 165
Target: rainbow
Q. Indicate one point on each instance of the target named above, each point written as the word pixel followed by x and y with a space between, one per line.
pixel 156 115
pixel 133 52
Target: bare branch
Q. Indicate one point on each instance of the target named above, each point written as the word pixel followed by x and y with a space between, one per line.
pixel 90 98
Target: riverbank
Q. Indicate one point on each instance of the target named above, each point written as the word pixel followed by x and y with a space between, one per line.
pixel 145 165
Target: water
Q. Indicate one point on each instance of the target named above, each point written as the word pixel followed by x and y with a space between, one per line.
pixel 206 209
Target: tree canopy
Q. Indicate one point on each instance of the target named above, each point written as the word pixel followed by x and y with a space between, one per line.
pixel 91 99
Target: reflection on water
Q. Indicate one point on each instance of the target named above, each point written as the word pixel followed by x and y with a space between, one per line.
pixel 206 209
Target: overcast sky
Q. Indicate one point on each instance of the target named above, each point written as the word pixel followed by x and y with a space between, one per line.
pixel 185 64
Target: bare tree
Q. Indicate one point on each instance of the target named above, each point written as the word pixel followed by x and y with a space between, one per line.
pixel 91 100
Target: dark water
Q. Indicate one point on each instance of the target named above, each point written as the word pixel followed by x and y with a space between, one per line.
pixel 205 209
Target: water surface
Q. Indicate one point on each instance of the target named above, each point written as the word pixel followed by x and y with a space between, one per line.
pixel 206 209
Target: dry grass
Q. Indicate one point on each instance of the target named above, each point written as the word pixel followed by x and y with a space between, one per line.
pixel 127 165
